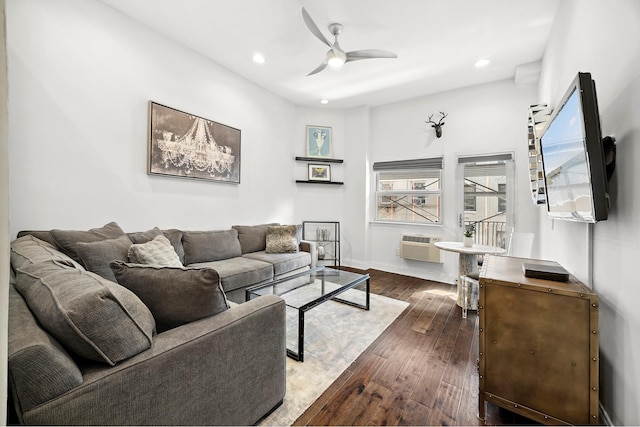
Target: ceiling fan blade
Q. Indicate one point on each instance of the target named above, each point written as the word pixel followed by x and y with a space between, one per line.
pixel 313 27
pixel 319 68
pixel 357 55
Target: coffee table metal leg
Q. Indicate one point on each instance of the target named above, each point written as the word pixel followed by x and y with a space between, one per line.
pixel 301 335
pixel 299 355
pixel 364 306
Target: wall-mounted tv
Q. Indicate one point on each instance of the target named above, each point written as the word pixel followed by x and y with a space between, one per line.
pixel 573 157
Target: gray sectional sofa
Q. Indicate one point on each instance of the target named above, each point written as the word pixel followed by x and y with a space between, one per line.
pixel 96 339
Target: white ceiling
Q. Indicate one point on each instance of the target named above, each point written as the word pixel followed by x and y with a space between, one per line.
pixel 437 42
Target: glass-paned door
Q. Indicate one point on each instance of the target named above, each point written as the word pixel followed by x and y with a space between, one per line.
pixel 486 202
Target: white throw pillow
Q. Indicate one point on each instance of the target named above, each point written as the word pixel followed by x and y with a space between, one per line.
pixel 157 252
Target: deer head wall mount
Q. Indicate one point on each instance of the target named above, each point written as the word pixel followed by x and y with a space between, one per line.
pixel 437 126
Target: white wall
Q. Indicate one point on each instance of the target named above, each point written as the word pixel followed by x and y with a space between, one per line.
pixel 81 75
pixel 602 38
pixel 488 118
pixel 4 217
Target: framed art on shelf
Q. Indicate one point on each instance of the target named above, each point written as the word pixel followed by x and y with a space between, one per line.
pixel 319 172
pixel 319 141
pixel 184 145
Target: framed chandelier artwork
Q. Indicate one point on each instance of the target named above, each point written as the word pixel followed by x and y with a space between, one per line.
pixel 185 145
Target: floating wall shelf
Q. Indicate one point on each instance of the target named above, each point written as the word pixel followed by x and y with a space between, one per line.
pixel 319 160
pixel 313 160
pixel 300 181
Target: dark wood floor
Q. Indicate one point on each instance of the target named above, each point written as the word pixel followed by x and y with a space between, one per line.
pixel 421 371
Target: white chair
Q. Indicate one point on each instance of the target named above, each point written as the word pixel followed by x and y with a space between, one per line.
pixel 521 245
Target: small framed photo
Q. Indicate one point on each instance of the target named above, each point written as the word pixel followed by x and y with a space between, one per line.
pixel 319 141
pixel 319 172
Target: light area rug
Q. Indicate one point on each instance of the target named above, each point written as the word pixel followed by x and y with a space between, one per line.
pixel 335 335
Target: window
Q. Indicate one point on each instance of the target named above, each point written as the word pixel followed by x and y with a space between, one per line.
pixel 409 191
pixel 469 197
pixel 486 196
pixel 502 200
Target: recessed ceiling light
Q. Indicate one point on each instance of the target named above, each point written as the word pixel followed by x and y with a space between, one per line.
pixel 324 101
pixel 482 63
pixel 258 58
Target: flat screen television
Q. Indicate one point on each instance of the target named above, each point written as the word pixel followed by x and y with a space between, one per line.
pixel 572 152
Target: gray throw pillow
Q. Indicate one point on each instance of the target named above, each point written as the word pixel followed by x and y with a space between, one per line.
pixel 157 251
pixel 175 296
pixel 253 238
pixel 92 317
pixel 205 246
pixel 282 239
pixel 96 256
pixel 66 240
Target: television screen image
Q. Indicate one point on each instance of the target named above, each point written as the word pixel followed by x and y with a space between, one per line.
pixel 566 169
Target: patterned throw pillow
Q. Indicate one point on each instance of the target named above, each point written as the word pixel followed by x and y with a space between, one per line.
pixel 158 251
pixel 282 239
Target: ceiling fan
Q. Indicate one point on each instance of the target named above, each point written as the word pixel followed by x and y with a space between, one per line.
pixel 336 57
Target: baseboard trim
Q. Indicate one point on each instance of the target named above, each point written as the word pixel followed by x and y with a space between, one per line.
pixel 604 415
pixel 436 276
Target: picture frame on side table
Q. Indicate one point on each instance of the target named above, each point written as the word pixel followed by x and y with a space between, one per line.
pixel 319 172
pixel 188 146
pixel 319 141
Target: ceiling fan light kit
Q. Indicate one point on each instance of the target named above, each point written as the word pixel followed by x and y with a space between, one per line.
pixel 336 57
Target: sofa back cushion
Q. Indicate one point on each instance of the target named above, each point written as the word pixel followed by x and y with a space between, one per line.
pixel 66 240
pixel 91 316
pixel 44 235
pixel 27 250
pixel 175 295
pixel 205 246
pixel 253 238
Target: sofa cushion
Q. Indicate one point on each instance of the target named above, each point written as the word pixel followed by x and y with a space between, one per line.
pixel 91 316
pixel 253 238
pixel 44 235
pixel 282 263
pixel 174 236
pixel 157 251
pixel 39 366
pixel 204 246
pixel 27 250
pixel 96 256
pixel 175 295
pixel 239 272
pixel 282 239
pixel 66 240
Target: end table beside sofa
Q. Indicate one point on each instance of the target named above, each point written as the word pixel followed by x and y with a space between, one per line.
pixel 167 348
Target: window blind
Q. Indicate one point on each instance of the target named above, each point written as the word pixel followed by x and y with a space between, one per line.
pixel 490 158
pixel 430 163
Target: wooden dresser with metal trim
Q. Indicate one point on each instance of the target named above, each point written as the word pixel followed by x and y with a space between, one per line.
pixel 538 344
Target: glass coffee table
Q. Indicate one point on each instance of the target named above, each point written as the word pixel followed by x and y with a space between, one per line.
pixel 304 291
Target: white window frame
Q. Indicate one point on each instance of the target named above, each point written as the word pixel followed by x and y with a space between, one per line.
pixel 509 158
pixel 408 166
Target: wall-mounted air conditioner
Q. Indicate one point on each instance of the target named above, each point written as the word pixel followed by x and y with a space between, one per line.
pixel 420 248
